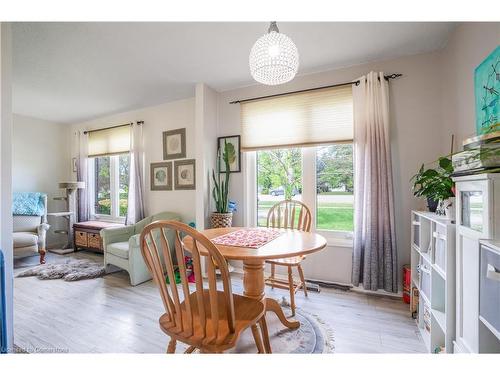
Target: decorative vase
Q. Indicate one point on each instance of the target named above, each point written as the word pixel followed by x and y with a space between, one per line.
pixel 449 208
pixel 446 207
pixel 432 204
pixel 221 220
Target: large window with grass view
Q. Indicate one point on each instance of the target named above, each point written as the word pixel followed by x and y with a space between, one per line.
pixel 111 179
pixel 334 187
pixel 280 176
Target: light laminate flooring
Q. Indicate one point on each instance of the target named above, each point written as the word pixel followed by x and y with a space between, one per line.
pixel 108 315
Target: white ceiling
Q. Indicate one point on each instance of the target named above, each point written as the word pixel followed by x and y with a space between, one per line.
pixel 70 72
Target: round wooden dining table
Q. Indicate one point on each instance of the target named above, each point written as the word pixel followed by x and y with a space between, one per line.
pixel 290 243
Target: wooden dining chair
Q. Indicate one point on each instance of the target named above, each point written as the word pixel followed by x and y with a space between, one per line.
pixel 289 214
pixel 207 319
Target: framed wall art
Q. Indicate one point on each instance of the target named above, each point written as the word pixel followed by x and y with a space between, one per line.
pixel 161 175
pixel 185 174
pixel 174 144
pixel 487 93
pixel 233 142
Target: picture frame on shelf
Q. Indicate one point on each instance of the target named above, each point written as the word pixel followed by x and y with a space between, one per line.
pixel 185 174
pixel 174 144
pixel 161 176
pixel 233 142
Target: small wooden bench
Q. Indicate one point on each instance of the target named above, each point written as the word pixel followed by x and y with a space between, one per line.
pixel 87 235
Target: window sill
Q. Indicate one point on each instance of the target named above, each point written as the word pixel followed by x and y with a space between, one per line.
pixel 339 242
pixel 337 239
pixel 109 219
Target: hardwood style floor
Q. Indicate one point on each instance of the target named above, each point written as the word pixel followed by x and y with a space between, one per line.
pixel 107 315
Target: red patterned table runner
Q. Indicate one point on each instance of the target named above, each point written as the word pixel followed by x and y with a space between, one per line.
pixel 252 238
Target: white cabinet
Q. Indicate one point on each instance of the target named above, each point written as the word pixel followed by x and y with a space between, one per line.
pixel 478 217
pixel 433 276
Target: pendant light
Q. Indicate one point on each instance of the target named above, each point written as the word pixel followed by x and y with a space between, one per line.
pixel 274 58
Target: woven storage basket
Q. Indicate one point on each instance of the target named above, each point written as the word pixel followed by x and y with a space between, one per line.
pixel 219 220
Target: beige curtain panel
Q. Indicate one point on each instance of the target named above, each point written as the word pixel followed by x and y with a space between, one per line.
pixel 302 119
pixel 374 259
pixel 110 141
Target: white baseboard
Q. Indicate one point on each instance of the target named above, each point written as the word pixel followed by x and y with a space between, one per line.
pixel 380 292
pixel 357 289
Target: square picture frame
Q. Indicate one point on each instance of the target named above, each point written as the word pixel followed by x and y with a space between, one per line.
pixel 161 176
pixel 234 165
pixel 174 144
pixel 185 174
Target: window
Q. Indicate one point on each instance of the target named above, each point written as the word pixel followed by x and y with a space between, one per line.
pixel 279 176
pixel 283 174
pixel 110 183
pixel 303 150
pixel 334 187
pixel 102 191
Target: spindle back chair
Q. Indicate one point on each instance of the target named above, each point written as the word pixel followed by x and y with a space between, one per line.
pixel 205 318
pixel 289 214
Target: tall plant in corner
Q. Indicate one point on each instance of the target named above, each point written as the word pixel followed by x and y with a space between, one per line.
pixel 222 217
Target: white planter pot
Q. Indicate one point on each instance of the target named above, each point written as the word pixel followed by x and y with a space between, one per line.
pixel 449 208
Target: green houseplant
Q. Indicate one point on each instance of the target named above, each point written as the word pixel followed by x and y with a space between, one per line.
pixel 222 217
pixel 436 185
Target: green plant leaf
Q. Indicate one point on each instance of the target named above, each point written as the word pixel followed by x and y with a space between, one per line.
pixel 231 153
pixel 446 164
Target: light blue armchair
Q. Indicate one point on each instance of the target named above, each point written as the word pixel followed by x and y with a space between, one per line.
pixel 122 248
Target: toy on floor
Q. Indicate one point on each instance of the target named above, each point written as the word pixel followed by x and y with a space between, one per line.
pixel 188 261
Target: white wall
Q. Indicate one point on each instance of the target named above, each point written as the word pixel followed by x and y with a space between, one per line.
pixel 157 119
pixel 468 46
pixel 206 118
pixel 6 171
pixel 40 160
pixel 415 138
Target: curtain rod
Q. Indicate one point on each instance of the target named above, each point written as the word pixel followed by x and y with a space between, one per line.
pixel 112 127
pixel 388 77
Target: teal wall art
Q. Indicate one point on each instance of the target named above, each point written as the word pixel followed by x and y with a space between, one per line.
pixel 487 92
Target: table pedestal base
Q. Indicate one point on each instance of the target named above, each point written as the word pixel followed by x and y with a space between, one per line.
pixel 273 305
pixel 253 282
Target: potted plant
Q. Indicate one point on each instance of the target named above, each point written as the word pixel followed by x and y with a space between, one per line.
pixel 436 185
pixel 223 216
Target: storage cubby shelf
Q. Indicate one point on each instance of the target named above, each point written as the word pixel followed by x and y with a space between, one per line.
pixel 433 275
pixel 440 317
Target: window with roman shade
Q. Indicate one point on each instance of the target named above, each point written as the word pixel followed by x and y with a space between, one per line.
pixel 302 119
pixel 111 141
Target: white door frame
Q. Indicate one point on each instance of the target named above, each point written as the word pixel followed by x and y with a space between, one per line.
pixel 6 171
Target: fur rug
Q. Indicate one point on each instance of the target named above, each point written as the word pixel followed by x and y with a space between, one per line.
pixel 69 270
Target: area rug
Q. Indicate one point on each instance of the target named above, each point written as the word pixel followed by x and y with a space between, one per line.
pixel 313 335
pixel 68 270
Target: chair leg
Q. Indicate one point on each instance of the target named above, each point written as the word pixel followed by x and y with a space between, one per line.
pixel 292 290
pixel 258 339
pixel 273 269
pixel 265 334
pixel 190 349
pixel 171 346
pixel 42 253
pixel 302 279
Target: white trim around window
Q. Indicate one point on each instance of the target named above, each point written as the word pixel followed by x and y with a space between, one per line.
pixel 114 176
pixel 334 237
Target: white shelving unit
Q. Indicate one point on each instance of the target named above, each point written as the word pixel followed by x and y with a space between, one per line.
pixel 478 220
pixel 433 275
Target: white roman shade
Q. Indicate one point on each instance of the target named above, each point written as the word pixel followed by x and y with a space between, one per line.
pixel 111 141
pixel 302 119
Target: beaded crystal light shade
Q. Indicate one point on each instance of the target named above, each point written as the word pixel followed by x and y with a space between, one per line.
pixel 274 58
